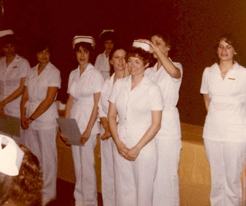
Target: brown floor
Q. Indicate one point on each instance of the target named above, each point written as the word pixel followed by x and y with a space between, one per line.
pixel 65 194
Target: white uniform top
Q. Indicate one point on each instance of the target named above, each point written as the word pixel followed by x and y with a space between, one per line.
pixel 37 87
pixel 134 108
pixel 169 86
pixel 10 81
pixel 105 93
pixel 82 89
pixel 102 63
pixel 226 118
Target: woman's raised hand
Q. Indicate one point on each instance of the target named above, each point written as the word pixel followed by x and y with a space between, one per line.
pixel 153 48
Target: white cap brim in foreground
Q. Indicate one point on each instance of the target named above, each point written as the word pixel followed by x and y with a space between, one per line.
pixel 142 45
pixel 10 156
pixel 86 39
pixel 6 32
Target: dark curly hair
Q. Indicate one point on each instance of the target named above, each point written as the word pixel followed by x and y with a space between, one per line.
pixel 109 35
pixel 24 189
pixel 140 53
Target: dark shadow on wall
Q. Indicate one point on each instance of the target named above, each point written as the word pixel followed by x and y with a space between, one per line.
pixel 194 25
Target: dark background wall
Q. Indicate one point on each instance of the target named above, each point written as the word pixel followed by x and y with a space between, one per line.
pixel 195 26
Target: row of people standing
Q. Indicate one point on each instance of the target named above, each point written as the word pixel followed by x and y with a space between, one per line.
pixel 140 96
pixel 224 128
pixel 36 107
pixel 134 121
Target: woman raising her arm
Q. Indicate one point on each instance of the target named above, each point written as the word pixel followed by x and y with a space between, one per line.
pixel 167 75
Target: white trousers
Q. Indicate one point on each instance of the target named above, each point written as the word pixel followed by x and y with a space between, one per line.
pixel 107 172
pixel 134 180
pixel 226 160
pixel 85 192
pixel 42 143
pixel 166 185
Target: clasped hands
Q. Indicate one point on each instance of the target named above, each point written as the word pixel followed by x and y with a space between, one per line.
pixel 25 122
pixel 128 154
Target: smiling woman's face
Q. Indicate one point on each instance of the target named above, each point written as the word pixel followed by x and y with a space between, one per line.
pixel 118 60
pixel 43 56
pixel 136 66
pixel 225 51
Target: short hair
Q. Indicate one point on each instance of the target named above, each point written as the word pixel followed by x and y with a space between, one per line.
pixel 140 53
pixel 43 44
pixel 85 45
pixel 161 33
pixel 109 35
pixel 8 39
pixel 231 40
pixel 26 187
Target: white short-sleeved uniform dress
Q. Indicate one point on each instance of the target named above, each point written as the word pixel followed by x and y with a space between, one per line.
pixel 10 77
pixel 168 139
pixel 134 180
pixel 107 163
pixel 225 132
pixel 82 89
pixel 102 64
pixel 40 137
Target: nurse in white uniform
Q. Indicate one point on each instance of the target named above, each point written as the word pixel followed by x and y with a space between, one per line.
pixel 84 88
pixel 107 38
pixel 168 75
pixel 224 91
pixel 13 70
pixel 138 103
pixel 117 59
pixel 38 116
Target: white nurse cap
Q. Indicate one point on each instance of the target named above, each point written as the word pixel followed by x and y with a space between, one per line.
pixel 104 31
pixel 140 44
pixel 10 156
pixel 86 39
pixel 6 32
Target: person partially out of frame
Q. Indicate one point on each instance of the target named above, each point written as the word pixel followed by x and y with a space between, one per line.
pixel 224 91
